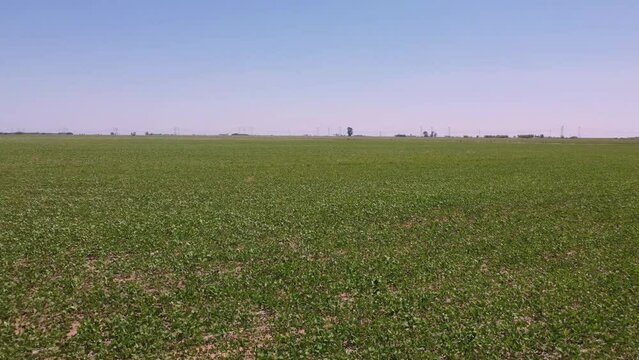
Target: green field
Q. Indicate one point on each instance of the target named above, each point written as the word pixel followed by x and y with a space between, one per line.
pixel 177 247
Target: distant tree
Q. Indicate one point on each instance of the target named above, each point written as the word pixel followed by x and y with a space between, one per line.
pixel 425 133
pixel 133 133
pixel 349 131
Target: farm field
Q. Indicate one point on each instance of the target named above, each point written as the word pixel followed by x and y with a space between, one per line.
pixel 204 247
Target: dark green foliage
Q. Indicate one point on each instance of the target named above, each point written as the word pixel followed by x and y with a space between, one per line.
pixel 170 247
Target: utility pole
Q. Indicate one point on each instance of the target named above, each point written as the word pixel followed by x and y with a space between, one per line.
pixel 562 131
pixel 449 131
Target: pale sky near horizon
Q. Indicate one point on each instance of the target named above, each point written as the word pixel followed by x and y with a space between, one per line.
pixel 304 67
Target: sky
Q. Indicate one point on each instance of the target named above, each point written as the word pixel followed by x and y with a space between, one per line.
pixel 316 67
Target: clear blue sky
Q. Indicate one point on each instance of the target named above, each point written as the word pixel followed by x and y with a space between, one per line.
pixel 306 66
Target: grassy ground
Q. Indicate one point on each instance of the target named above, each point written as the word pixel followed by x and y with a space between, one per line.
pixel 321 248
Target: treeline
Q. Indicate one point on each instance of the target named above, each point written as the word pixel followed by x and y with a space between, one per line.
pixel 520 136
pixel 35 133
pixel 530 136
pixel 489 136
